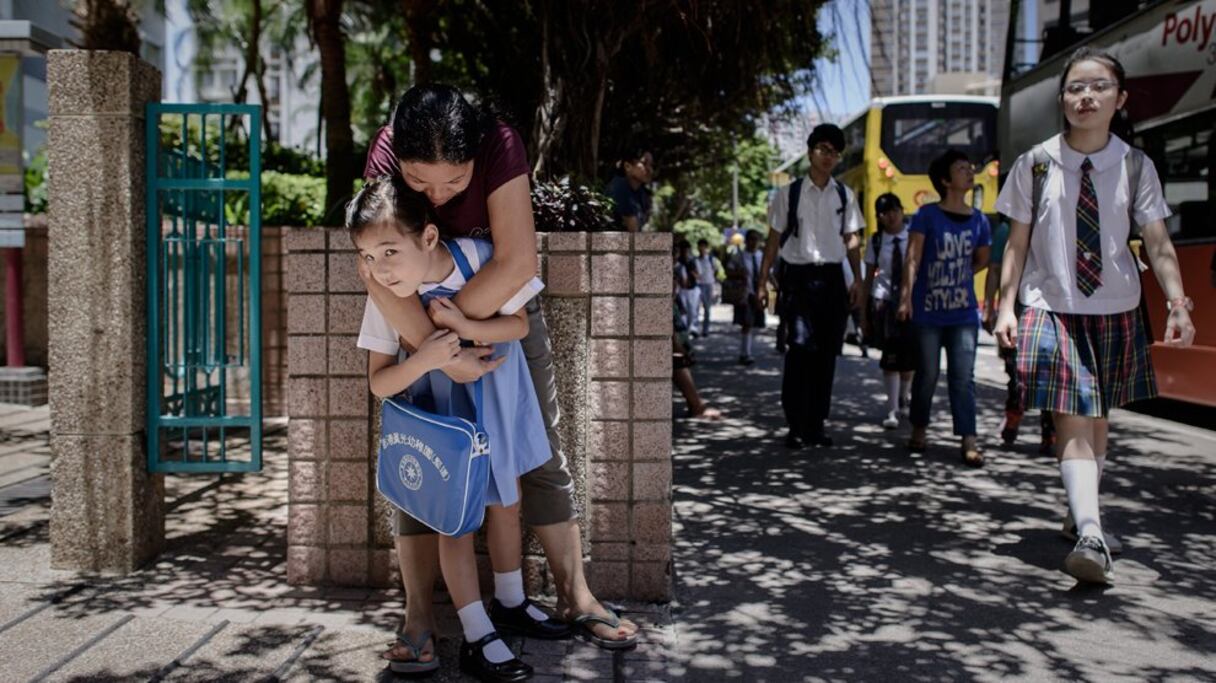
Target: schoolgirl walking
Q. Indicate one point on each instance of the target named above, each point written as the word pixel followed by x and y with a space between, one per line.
pixel 1082 341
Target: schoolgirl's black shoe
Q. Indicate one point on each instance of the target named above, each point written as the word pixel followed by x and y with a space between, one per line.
pixel 517 621
pixel 474 663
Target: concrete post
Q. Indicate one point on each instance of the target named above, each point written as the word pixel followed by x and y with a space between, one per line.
pixel 107 512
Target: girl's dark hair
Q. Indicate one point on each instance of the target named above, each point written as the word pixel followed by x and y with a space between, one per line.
pixel 1121 124
pixel 434 123
pixel 631 153
pixel 939 169
pixel 388 199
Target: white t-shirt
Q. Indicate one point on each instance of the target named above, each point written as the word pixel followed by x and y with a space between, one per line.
pixel 882 260
pixel 819 240
pixel 377 335
pixel 1049 279
pixel 706 273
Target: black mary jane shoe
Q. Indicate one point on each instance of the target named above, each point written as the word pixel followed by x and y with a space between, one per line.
pixel 474 663
pixel 517 621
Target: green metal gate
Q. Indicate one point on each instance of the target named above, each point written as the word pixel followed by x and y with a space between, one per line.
pixel 204 372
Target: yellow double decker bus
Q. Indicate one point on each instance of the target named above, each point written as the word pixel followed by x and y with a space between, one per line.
pixel 890 144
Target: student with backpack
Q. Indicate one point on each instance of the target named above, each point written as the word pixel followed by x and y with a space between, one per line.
pixel 1083 347
pixel 707 267
pixel 884 282
pixel 947 243
pixel 818 224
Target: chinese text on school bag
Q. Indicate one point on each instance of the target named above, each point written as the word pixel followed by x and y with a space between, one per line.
pixel 435 468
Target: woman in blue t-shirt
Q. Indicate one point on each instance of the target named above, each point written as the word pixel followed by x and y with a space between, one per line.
pixel 947 243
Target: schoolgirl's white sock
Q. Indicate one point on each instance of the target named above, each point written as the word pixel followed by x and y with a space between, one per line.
pixel 509 590
pixel 1101 460
pixel 745 344
pixel 1081 484
pixel 905 388
pixel 476 625
pixel 891 380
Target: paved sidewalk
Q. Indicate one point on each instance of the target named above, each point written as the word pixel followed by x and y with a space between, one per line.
pixel 865 563
pixel 216 604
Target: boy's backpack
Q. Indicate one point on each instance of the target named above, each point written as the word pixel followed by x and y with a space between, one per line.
pixel 734 287
pixel 791 219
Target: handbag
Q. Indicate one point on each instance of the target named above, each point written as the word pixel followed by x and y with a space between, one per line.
pixel 435 468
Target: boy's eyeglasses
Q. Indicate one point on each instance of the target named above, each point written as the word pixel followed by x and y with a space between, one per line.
pixel 1096 87
pixel 826 151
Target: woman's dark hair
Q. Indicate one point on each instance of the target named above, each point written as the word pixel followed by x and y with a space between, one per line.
pixel 434 123
pixel 388 199
pixel 1121 124
pixel 939 169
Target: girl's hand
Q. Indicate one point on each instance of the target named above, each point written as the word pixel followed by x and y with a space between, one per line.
pixel 1006 329
pixel 1179 331
pixel 472 363
pixel 904 312
pixel 439 350
pixel 446 314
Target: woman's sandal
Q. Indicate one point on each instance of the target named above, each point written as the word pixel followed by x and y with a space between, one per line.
pixel 972 457
pixel 413 666
pixel 582 625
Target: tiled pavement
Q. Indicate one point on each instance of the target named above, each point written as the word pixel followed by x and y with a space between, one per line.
pixel 216 604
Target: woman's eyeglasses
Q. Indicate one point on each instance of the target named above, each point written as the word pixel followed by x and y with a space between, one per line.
pixel 1096 87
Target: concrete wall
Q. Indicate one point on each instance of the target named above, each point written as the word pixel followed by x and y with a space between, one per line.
pixel 608 309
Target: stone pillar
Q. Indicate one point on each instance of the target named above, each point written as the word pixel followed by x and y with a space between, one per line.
pixel 107 512
pixel 332 512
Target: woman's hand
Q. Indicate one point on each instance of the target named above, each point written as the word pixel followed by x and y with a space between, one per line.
pixel 1179 330
pixel 444 313
pixel 439 351
pixel 1006 329
pixel 471 364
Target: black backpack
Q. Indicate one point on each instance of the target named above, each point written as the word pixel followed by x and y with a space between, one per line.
pixel 791 221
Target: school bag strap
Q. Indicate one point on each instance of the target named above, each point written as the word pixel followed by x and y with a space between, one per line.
pixel 791 218
pixel 462 262
pixel 1133 162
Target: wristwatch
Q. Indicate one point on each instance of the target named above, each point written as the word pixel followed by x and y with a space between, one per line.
pixel 1180 302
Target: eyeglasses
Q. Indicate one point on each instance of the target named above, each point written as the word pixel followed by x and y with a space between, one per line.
pixel 826 150
pixel 1098 87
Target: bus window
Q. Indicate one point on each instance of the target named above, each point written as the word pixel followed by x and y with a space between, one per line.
pixel 1185 157
pixel 854 142
pixel 915 133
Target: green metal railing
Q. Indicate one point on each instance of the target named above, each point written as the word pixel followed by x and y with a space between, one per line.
pixel 204 386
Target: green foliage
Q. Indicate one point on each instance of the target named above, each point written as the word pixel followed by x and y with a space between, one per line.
pixel 275 157
pixel 296 200
pixel 36 179
pixel 564 206
pixel 696 229
pixel 705 193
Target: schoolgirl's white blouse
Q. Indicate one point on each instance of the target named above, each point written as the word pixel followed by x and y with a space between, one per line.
pixel 1049 279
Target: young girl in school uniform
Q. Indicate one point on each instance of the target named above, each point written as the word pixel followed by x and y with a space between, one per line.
pixel 399 244
pixel 1081 340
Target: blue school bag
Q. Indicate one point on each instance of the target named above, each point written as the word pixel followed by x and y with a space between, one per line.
pixel 436 468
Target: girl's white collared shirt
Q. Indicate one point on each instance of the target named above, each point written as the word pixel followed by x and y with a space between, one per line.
pixel 1049 279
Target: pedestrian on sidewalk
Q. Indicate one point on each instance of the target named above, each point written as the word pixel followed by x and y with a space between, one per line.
pixel 818 227
pixel 751 313
pixel 1014 409
pixel 473 170
pixel 707 266
pixel 628 189
pixel 1083 345
pixel 884 277
pixel 947 244
pixel 394 232
pixel 689 292
pixel 682 355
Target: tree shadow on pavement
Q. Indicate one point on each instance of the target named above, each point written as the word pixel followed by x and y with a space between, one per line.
pixel 862 561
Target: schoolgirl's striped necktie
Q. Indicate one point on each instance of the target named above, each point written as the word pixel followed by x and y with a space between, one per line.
pixel 1089 234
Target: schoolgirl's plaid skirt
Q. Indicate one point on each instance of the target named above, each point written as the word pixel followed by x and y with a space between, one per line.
pixel 1083 364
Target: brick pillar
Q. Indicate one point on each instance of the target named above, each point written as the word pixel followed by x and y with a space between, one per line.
pixel 107 512
pixel 330 495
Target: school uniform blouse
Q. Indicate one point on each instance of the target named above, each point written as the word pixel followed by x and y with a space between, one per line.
pixel 819 240
pixel 881 259
pixel 1049 279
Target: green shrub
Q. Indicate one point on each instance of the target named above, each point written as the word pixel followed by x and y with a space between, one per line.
pixel 563 206
pixel 287 199
pixel 694 229
pixel 36 187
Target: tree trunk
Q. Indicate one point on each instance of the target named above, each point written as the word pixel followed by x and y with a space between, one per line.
pixel 420 22
pixel 325 17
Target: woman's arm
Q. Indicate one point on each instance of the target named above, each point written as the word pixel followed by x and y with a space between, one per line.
pixel 916 248
pixel 500 328
pixel 979 260
pixel 514 260
pixel 1178 327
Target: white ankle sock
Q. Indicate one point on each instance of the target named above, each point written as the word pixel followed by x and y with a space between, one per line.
pixel 905 390
pixel 745 344
pixel 509 590
pixel 476 625
pixel 1081 484
pixel 891 380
